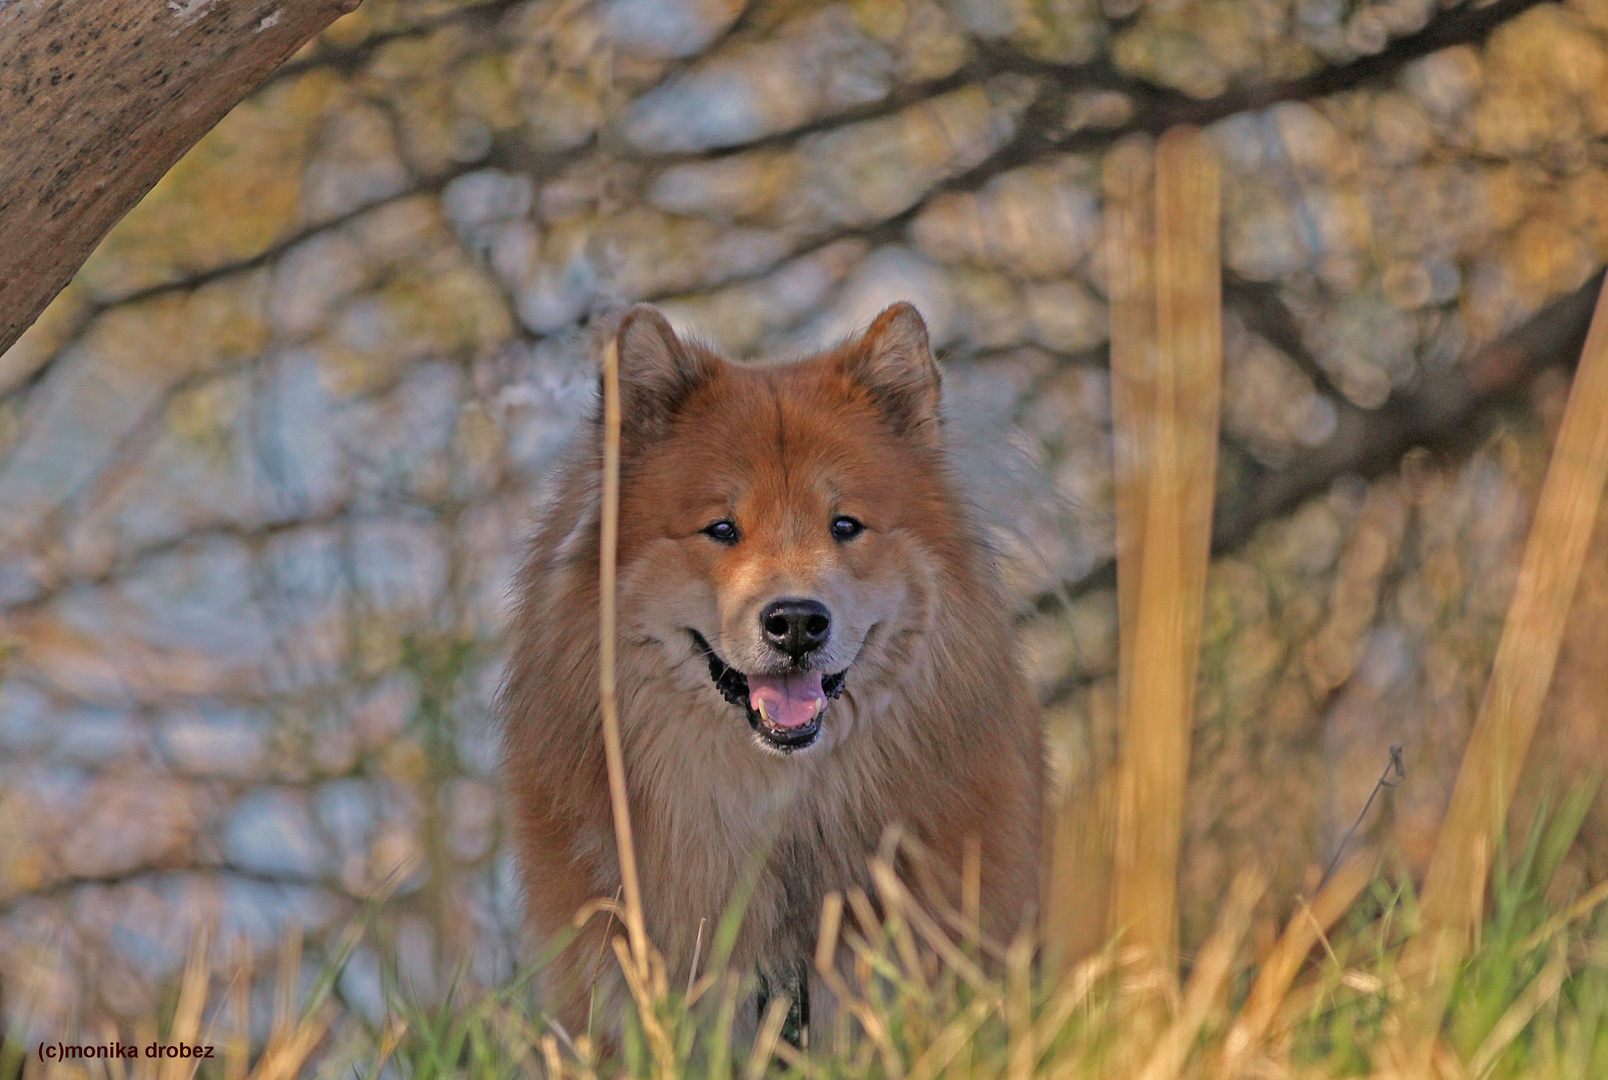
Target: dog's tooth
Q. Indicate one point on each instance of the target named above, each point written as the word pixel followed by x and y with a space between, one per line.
pixel 764 714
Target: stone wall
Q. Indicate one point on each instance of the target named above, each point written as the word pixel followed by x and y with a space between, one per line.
pixel 266 463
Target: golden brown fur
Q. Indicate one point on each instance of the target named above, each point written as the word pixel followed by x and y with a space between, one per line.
pixel 936 729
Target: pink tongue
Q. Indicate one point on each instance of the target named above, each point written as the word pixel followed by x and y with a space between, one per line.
pixel 788 701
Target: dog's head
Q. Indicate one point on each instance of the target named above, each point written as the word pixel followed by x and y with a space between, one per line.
pixel 781 525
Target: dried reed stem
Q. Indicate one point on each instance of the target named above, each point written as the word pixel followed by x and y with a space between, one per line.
pixel 1157 697
pixel 1565 517
pixel 1309 923
pixel 186 1025
pixel 1206 982
pixel 635 927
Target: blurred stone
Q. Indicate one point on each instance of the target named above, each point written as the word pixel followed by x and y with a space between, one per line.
pixel 25 718
pixel 1269 404
pixel 195 602
pixel 1064 318
pixel 355 165
pixel 1065 31
pixel 348 811
pixel 396 446
pixel 1096 109
pixel 231 198
pixel 1445 82
pixel 479 198
pixel 400 569
pixel 820 63
pixel 260 912
pixel 307 578
pixel 1038 221
pixel 877 168
pixel 201 471
pixel 675 28
pixel 470 807
pixel 740 186
pixel 362 985
pixel 385 709
pixel 743 315
pixel 40 343
pixel 435 303
pixel 215 741
pixel 270 832
pixel 104 385
pixel 132 822
pixel 396 859
pixel 95 737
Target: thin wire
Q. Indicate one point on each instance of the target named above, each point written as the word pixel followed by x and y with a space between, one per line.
pixel 1395 772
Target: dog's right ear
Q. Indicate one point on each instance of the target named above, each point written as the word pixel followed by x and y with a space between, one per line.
pixel 657 372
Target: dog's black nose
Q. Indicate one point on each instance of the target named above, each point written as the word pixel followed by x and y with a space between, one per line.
pixel 796 626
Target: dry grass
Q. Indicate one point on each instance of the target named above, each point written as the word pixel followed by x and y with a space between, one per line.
pixel 1454 891
pixel 925 999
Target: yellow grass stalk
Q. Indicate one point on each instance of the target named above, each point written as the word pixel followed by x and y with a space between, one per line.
pixel 896 922
pixel 186 1027
pixel 1454 889
pixel 825 952
pixel 1019 1009
pixel 1071 994
pixel 1157 697
pixel 1309 923
pixel 1542 989
pixel 649 986
pixel 551 1057
pixel 952 1039
pixel 1594 898
pixel 770 1030
pixel 636 927
pixel 1206 982
pixel 292 1037
pixel 237 1040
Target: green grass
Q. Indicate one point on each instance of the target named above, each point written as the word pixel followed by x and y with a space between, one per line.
pixel 1531 1002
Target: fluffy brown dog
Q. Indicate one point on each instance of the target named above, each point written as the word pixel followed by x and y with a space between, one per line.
pixel 813 648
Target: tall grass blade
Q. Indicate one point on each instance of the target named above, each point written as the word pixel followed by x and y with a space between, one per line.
pixel 636 927
pixel 1565 518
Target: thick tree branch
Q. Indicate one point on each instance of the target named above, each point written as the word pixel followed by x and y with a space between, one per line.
pixel 98 99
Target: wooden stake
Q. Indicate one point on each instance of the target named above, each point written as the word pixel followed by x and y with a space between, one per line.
pixel 1158 695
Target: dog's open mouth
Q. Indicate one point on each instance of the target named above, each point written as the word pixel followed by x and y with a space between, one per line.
pixel 784 710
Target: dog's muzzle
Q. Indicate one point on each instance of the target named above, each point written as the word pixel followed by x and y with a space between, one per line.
pixel 771 702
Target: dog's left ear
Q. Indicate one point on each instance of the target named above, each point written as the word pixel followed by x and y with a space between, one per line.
pixel 893 360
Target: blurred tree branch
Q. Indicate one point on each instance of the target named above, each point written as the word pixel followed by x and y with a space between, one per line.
pixel 98 99
pixel 1447 411
pixel 1439 410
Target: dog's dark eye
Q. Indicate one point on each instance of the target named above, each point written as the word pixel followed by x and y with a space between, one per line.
pixel 722 531
pixel 846 528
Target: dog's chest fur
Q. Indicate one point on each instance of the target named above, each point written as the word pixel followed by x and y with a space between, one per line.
pixel 713 814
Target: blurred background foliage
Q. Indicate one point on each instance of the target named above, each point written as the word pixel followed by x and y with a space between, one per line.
pixel 266 463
